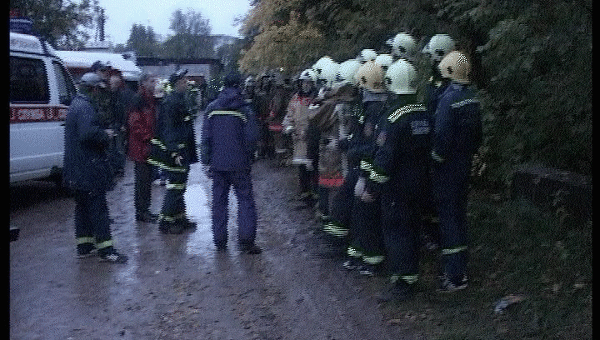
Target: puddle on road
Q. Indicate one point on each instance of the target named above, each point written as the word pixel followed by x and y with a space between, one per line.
pixel 198 210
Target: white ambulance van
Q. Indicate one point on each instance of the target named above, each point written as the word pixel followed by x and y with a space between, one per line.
pixel 41 90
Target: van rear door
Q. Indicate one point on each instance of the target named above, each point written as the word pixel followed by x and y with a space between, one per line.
pixel 40 92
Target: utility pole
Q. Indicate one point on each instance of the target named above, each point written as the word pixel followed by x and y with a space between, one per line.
pixel 101 22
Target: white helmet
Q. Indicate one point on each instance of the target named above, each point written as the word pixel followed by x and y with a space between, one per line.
pixel 385 60
pixel 403 45
pixel 439 46
pixel 367 55
pixel 328 73
pixel 249 81
pixel 455 66
pixel 370 76
pixel 346 72
pixel 308 74
pixel 401 77
pixel 321 63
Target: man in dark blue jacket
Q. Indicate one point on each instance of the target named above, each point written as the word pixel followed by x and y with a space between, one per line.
pixel 457 137
pixel 398 175
pixel 436 49
pixel 87 172
pixel 367 250
pixel 229 135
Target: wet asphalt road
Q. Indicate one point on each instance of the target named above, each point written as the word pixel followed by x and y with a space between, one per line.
pixel 179 286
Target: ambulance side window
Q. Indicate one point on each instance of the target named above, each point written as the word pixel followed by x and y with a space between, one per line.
pixel 66 89
pixel 28 81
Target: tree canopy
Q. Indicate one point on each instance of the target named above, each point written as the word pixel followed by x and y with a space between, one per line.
pixel 143 40
pixel 62 23
pixel 191 38
pixel 531 63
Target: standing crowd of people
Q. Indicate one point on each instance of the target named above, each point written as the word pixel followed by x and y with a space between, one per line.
pixel 384 171
pixel 107 123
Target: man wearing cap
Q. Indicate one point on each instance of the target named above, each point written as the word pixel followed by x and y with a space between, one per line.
pixel 101 69
pixel 86 171
pixel 107 117
pixel 229 135
pixel 174 149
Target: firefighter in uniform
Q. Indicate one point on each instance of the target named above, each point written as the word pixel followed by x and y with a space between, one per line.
pixel 229 135
pixel 108 118
pixel 295 123
pixel 437 48
pixel 325 69
pixel 277 110
pixel 349 112
pixel 366 250
pixel 262 98
pixel 87 171
pixel 457 136
pixel 173 150
pixel 324 121
pixel 398 175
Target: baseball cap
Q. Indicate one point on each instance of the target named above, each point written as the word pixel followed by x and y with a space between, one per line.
pixel 98 65
pixel 91 79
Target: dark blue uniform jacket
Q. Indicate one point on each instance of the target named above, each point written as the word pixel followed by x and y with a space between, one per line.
pixel 458 130
pixel 401 163
pixel 229 132
pixel 86 163
pixel 175 127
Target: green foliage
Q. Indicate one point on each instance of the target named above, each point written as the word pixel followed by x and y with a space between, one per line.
pixel 62 23
pixel 537 102
pixel 229 54
pixel 191 39
pixel 519 249
pixel 214 86
pixel 531 63
pixel 143 40
pixel 515 249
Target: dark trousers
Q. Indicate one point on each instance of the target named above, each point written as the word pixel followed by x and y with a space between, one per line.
pixel 92 224
pixel 267 142
pixel 430 228
pixel 342 202
pixel 241 181
pixel 324 198
pixel 173 208
pixel 142 187
pixel 308 179
pixel 400 222
pixel 117 153
pixel 366 229
pixel 450 188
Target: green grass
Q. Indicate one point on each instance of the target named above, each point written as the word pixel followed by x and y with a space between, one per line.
pixel 515 249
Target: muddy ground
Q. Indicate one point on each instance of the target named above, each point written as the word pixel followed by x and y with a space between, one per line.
pixel 179 286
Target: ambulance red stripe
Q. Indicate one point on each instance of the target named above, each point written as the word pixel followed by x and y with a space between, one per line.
pixel 37 114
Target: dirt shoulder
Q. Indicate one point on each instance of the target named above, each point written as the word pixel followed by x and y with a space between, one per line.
pixel 179 286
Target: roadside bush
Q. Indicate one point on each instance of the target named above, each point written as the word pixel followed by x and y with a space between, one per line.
pixel 537 103
pixel 531 64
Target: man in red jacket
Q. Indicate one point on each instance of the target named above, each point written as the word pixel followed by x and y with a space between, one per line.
pixel 141 124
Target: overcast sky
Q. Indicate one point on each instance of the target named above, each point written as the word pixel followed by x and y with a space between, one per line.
pixel 122 14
